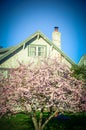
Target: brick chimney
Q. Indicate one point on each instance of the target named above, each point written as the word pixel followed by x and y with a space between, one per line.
pixel 56 37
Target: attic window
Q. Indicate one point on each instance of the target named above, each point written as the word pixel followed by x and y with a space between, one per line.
pixel 35 50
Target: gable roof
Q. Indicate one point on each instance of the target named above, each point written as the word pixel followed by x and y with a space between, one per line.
pixel 7 52
pixel 81 62
pixel 4 50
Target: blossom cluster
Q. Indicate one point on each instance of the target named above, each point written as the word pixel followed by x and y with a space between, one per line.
pixel 46 85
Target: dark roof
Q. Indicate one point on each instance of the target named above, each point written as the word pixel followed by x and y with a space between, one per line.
pixel 38 34
pixel 4 50
pixel 81 62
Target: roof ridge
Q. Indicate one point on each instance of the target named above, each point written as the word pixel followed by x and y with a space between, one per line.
pixel 37 33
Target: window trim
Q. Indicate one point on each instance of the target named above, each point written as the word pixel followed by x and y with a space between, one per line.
pixel 33 45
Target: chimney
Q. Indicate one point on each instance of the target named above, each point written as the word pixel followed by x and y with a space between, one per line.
pixel 56 37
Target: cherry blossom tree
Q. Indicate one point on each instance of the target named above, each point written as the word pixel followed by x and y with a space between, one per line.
pixel 38 87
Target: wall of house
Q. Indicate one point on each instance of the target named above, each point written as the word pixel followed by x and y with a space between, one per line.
pixel 65 61
pixel 23 55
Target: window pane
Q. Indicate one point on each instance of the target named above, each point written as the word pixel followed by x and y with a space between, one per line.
pixel 41 51
pixel 33 51
pixel 40 54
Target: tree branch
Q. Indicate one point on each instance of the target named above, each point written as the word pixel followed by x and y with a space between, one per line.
pixel 45 123
pixel 40 120
pixel 35 121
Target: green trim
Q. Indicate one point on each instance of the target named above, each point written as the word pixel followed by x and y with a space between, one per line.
pixel 18 46
pixel 38 34
pixel 4 50
pixel 56 48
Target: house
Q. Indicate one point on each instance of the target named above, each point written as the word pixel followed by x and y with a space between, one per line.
pixel 32 49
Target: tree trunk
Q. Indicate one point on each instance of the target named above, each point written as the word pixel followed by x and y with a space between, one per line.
pixel 35 122
pixel 39 125
pixel 40 121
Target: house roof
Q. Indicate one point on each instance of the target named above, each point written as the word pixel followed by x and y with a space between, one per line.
pixel 4 50
pixel 8 51
pixel 81 62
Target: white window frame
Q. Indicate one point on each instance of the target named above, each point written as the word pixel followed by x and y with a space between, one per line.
pixel 37 51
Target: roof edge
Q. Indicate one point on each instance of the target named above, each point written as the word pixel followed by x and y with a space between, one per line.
pixel 37 33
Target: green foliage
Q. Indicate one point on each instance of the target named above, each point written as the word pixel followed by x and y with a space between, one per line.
pixel 79 72
pixel 23 122
pixel 16 122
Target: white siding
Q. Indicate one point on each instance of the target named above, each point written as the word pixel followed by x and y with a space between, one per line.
pixel 23 57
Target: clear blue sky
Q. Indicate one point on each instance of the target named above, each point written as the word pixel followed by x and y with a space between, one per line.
pixel 21 18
